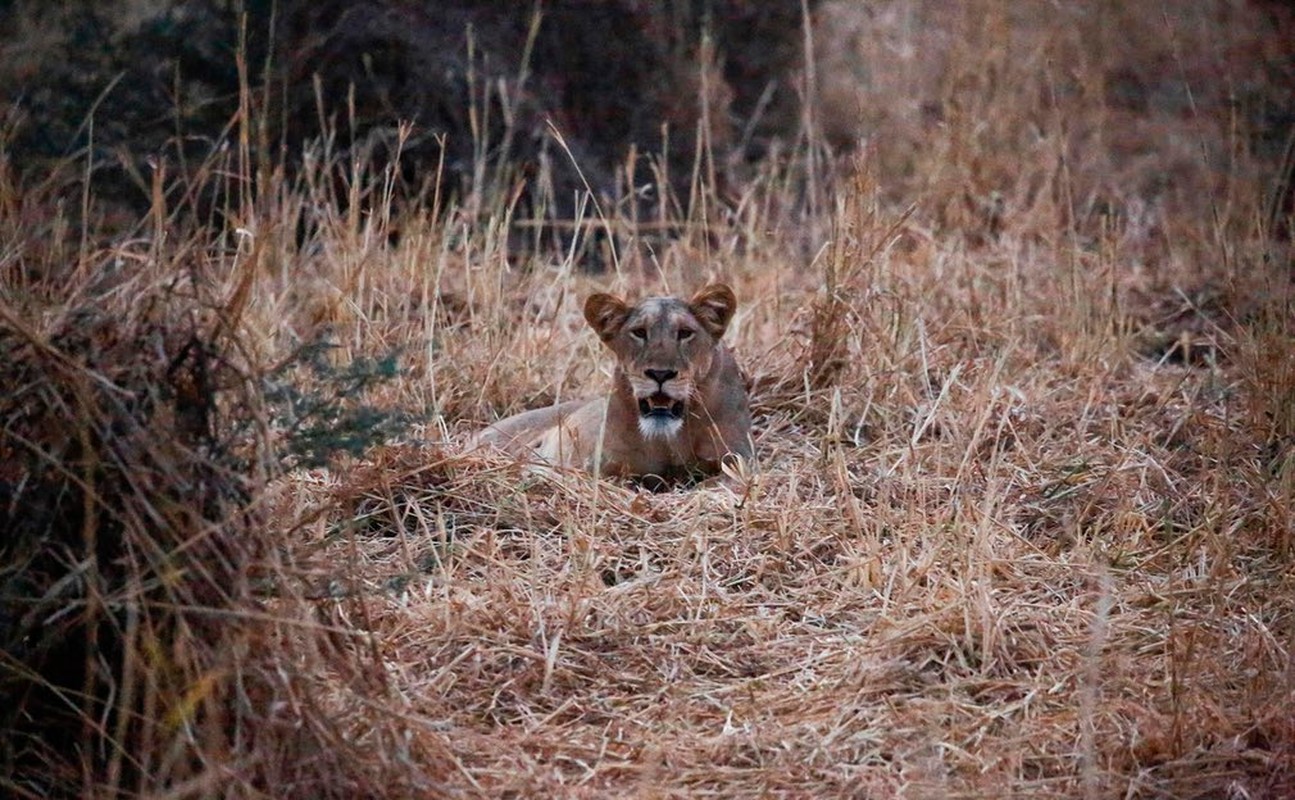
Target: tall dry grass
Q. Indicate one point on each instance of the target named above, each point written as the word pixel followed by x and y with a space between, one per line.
pixel 1021 525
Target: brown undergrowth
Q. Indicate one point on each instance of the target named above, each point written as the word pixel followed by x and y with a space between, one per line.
pixel 1021 522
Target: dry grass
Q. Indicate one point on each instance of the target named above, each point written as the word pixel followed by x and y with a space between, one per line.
pixel 1023 522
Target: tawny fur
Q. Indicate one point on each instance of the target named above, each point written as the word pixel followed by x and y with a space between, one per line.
pixel 670 364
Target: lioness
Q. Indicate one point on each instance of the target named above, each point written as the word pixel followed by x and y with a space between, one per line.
pixel 678 403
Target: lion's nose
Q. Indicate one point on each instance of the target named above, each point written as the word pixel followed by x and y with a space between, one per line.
pixel 660 375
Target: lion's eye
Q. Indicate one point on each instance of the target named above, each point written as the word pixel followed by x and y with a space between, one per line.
pixel 686 333
pixel 639 333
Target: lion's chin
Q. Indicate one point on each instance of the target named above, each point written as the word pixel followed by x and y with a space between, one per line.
pixel 656 426
pixel 660 416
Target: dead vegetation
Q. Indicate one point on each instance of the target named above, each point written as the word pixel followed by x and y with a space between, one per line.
pixel 1022 524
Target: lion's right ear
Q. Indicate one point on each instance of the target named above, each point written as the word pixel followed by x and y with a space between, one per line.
pixel 605 313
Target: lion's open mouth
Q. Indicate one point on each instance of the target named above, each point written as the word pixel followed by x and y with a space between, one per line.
pixel 660 406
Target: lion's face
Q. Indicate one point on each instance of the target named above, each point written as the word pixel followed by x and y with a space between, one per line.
pixel 664 346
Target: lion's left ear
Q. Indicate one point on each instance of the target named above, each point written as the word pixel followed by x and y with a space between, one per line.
pixel 713 306
pixel 605 313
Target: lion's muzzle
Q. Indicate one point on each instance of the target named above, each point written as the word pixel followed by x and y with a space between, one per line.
pixel 660 415
pixel 660 405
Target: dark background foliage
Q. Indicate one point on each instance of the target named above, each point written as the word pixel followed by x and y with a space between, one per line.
pixel 480 80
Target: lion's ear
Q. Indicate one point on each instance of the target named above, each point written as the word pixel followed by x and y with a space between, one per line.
pixel 713 306
pixel 605 313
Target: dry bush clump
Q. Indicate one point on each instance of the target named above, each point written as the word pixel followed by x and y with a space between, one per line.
pixel 1021 523
pixel 154 631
